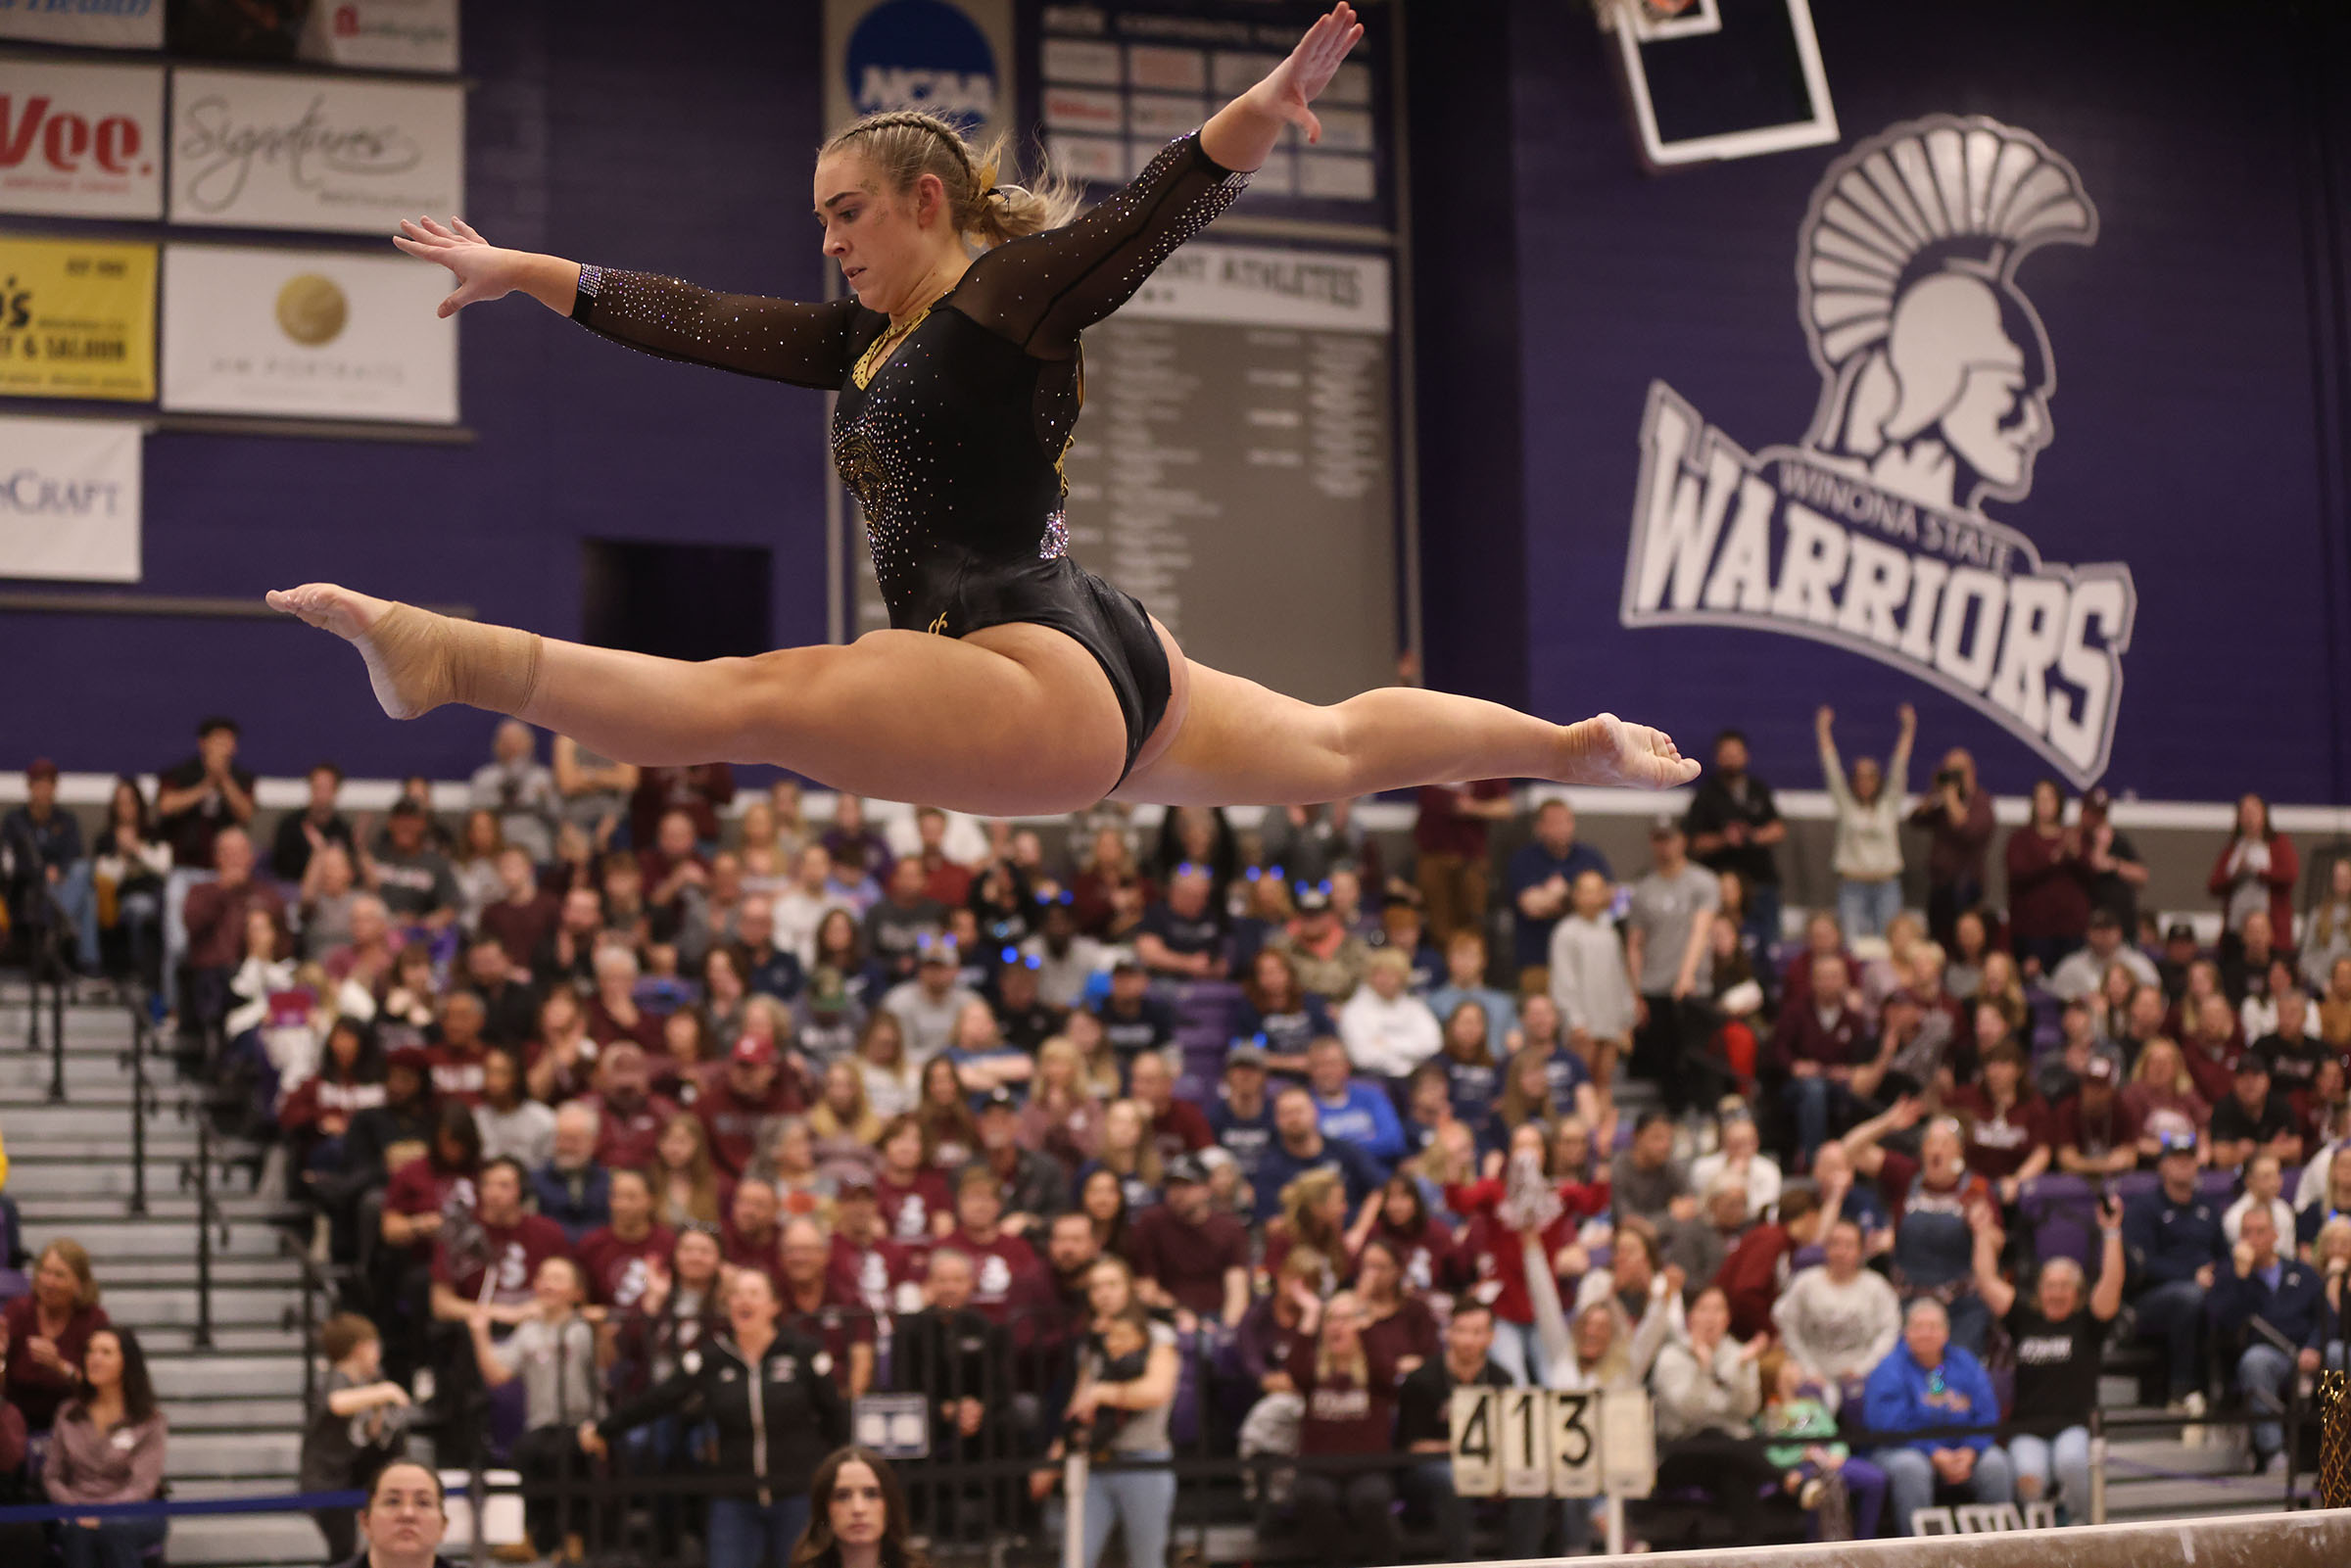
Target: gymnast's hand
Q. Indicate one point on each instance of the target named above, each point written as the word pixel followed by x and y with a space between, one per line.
pixel 1299 80
pixel 1607 750
pixel 484 271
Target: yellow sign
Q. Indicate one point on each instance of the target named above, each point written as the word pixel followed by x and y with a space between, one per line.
pixel 77 319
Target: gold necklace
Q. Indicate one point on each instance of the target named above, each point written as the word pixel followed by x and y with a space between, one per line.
pixel 868 363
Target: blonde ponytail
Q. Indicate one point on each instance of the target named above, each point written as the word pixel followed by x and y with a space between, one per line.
pixel 906 144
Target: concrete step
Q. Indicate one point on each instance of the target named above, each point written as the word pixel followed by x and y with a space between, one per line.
pixel 265 1271
pixel 234 1455
pixel 193 1376
pixel 164 1086
pixel 250 1416
pixel 79 1124
pixel 21 1069
pixel 261 1540
pixel 32 1182
pixel 167 1204
pixel 260 1340
pixel 150 1307
pixel 168 1138
pixel 119 1240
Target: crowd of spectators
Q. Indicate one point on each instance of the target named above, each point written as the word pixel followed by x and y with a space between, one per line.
pixel 619 1086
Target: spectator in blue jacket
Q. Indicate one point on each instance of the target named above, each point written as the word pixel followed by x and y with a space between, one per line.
pixel 1350 1110
pixel 1927 1383
pixel 1299 1147
pixel 2177 1248
pixel 2288 1296
pixel 571 1188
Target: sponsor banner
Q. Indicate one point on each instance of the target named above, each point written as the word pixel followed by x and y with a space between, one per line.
pixel 1256 285
pixel 89 23
pixel 285 150
pixel 1870 532
pixel 81 140
pixel 306 334
pixel 77 319
pixel 952 58
pixel 383 34
pixel 70 500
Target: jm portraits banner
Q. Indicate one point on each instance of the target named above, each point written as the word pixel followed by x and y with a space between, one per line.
pixel 952 58
pixel 90 24
pixel 81 140
pixel 70 500
pixel 77 319
pixel 279 149
pixel 323 335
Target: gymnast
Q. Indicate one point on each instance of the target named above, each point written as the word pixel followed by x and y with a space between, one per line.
pixel 1011 681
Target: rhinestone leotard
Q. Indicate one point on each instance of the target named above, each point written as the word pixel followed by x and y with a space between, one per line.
pixel 951 441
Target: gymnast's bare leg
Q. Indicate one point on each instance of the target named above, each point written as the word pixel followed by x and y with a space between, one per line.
pixel 1010 721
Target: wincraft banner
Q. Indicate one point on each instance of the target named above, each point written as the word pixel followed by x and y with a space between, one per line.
pixel 383 34
pixel 91 23
pixel 306 334
pixel 81 140
pixel 77 319
pixel 70 500
pixel 283 150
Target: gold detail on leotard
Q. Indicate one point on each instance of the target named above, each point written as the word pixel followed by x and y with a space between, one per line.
pixel 868 363
pixel 938 625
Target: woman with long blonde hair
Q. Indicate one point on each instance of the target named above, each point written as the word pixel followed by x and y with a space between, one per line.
pixel 1063 1118
pixel 1011 682
pixel 686 1189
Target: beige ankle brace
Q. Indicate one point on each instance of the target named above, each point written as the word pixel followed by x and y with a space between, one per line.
pixel 417 660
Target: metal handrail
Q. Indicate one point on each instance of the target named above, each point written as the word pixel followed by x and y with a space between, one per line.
pixel 142 1101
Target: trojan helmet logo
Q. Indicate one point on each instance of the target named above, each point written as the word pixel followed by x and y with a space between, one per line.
pixel 1937 372
pixel 1870 533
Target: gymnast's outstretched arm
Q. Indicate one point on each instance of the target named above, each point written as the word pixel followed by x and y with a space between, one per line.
pixel 776 340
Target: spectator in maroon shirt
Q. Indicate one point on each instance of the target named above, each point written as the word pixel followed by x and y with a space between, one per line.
pixel 819 1308
pixel 671 867
pixel 1186 1255
pixel 613 1012
pixel 2048 884
pixel 751 1088
pixel 1823 938
pixel 524 915
pixel 425 1193
pixel 492 1261
pixel 1398 1326
pixel 2097 1133
pixel 1957 816
pixel 456 1051
pixel 1819 1043
pixel 2007 1123
pixel 1450 842
pixel 866 1264
pixel 1350 1394
pixel 942 879
pixel 700 791
pixel 752 1235
pixel 1006 1278
pixel 47 1331
pixel 620 1258
pixel 1177 1127
pixel 214 916
pixel 630 1114
pixel 1757 1268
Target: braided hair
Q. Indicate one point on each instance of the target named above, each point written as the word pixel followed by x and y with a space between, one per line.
pixel 906 144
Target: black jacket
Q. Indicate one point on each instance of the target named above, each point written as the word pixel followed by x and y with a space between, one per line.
pixel 777 1438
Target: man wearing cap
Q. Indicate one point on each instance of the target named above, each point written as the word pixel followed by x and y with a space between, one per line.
pixel 40 847
pixel 1331 959
pixel 1189 1256
pixel 415 880
pixel 2096 1133
pixel 1183 936
pixel 1133 1020
pixel 1006 1277
pixel 1667 932
pixel 2177 1248
pixel 1176 1125
pixel 928 1005
pixel 1242 1119
pixel 1033 1185
pixel 2083 972
pixel 1299 1147
pixel 2253 1119
pixel 751 1089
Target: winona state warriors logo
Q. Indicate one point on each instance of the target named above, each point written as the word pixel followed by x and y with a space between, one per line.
pixel 1936 381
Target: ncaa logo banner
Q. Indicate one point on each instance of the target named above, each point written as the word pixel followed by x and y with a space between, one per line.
pixel 948 58
pixel 1870 532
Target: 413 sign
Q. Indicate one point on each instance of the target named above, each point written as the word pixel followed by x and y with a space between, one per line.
pixel 1548 1443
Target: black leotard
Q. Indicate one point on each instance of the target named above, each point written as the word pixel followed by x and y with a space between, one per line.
pixel 953 443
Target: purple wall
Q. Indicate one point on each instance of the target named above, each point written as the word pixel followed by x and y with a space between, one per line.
pixel 605 131
pixel 2197 415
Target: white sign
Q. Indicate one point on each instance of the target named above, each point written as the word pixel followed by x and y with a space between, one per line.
pixel 1574 1445
pixel 383 34
pixel 70 500
pixel 280 150
pixel 1256 285
pixel 1536 1442
pixel 1524 1426
pixel 1936 376
pixel 91 23
pixel 324 335
pixel 81 140
pixel 1469 1417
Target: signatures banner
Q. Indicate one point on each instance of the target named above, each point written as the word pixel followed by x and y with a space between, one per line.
pixel 326 335
pixel 278 149
pixel 70 500
pixel 87 24
pixel 81 140
pixel 77 319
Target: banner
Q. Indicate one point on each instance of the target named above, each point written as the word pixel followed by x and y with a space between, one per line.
pixel 81 140
pixel 383 34
pixel 280 150
pixel 90 24
pixel 320 335
pixel 77 319
pixel 70 500
pixel 952 58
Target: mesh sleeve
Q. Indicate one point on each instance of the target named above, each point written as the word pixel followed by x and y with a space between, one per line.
pixel 1041 291
pixel 776 340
